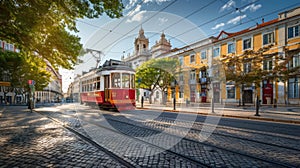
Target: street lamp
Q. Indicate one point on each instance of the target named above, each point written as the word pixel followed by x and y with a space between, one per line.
pixel 173 87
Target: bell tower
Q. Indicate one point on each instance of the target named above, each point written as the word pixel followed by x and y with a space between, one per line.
pixel 141 43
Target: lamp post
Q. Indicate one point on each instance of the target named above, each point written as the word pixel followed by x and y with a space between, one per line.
pixel 210 84
pixel 173 87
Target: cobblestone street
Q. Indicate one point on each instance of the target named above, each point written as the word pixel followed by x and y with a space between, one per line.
pixel 43 139
pixel 30 140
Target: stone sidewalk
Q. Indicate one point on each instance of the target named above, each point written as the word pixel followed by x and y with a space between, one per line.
pixel 285 114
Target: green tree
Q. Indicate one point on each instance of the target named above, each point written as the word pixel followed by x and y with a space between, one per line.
pixel 157 73
pixel 18 69
pixel 43 27
pixel 247 69
pixel 285 68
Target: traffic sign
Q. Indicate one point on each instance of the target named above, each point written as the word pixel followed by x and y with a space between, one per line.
pixel 31 82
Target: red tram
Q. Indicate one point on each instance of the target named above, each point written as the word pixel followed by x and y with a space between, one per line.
pixel 112 86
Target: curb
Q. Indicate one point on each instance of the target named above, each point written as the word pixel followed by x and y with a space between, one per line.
pixel 230 116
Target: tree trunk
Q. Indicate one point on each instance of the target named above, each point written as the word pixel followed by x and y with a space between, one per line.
pixel 243 95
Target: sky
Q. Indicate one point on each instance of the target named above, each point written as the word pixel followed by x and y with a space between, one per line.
pixel 182 21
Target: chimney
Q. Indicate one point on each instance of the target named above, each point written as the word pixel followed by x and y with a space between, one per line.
pixel 262 20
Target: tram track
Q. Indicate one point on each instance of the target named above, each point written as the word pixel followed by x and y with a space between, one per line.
pixel 197 127
pixel 222 148
pixel 190 141
pixel 126 162
pixel 121 160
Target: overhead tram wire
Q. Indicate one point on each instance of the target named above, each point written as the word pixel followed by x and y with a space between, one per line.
pixel 183 18
pixel 267 14
pixel 92 25
pixel 144 22
pixel 216 18
pixel 112 30
pixel 109 31
pixel 239 9
pixel 262 16
pixel 276 11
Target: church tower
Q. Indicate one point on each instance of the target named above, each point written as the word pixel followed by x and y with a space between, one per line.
pixel 141 43
pixel 162 46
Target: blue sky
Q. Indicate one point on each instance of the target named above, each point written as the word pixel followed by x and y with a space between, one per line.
pixel 183 22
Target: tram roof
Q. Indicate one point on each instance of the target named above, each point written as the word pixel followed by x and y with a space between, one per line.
pixel 115 65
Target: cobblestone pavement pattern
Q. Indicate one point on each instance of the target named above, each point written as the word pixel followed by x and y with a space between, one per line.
pixel 128 146
pixel 30 140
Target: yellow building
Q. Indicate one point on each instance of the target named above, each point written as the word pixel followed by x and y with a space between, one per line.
pixel 199 60
pixel 282 33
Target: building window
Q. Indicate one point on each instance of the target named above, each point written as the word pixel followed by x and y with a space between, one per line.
pixel 181 60
pixel 268 38
pixel 193 75
pixel 293 31
pixel 267 65
pixel 216 52
pixel 247 68
pixel 180 94
pixel 157 95
pixel 230 48
pixel 203 54
pixel 6 46
pixel 192 58
pixel 230 91
pixel 181 77
pixel 247 44
pixel 294 88
pixel 295 62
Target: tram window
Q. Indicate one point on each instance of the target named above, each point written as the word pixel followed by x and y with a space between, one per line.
pixel 132 81
pixel 125 80
pixel 91 87
pixel 116 80
pixel 98 85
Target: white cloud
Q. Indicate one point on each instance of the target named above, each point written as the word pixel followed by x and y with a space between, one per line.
pixel 228 5
pixel 218 26
pixel 131 4
pixel 252 8
pixel 162 20
pixel 236 19
pixel 135 11
pixel 137 17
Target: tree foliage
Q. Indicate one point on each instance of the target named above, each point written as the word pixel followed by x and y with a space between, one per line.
pixel 247 69
pixel 156 73
pixel 284 72
pixel 18 69
pixel 40 27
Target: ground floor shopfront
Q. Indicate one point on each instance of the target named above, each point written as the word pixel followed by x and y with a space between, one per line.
pixel 269 92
